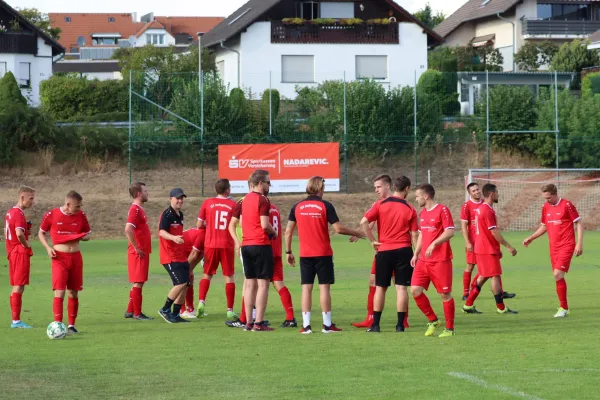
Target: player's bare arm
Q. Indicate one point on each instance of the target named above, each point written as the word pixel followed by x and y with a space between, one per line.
pixel 366 227
pixel 579 246
pixel 167 236
pixel 356 238
pixel 540 231
pixel 131 238
pixel 464 225
pixel 232 227
pixel 194 258
pixel 413 261
pixel 44 242
pixel 22 240
pixel 289 233
pixel 444 237
pixel 414 237
pixel 344 230
pixel 267 227
pixel 498 236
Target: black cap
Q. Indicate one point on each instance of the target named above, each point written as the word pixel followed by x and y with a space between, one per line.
pixel 177 192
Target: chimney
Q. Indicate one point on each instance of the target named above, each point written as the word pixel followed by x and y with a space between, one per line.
pixel 134 17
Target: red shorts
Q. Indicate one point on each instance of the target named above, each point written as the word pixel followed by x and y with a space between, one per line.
pixel 277 270
pixel 488 265
pixel 471 258
pixel 561 260
pixel 67 271
pixel 138 267
pixel 212 258
pixel 19 265
pixel 439 273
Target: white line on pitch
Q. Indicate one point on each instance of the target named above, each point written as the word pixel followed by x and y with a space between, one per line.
pixel 487 385
pixel 541 370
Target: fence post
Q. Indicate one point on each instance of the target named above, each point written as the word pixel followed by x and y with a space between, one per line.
pixel 415 148
pixel 556 134
pixel 130 131
pixel 270 108
pixel 487 116
pixel 201 88
pixel 345 138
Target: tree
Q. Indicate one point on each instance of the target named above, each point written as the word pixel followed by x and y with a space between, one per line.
pixel 41 20
pixel 152 59
pixel 573 57
pixel 466 58
pixel 531 56
pixel 10 92
pixel 426 16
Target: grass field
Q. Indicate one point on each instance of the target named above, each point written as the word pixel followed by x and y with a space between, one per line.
pixel 530 355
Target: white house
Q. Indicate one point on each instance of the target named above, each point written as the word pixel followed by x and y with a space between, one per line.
pixel 258 47
pixel 25 51
pixel 508 24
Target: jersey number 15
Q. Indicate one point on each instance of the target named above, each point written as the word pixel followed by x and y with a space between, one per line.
pixel 221 220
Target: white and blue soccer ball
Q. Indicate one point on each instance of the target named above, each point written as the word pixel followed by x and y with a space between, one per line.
pixel 56 330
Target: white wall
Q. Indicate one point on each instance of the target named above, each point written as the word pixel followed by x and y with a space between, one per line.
pixel 230 62
pixel 259 57
pixel 103 76
pixel 141 41
pixel 461 35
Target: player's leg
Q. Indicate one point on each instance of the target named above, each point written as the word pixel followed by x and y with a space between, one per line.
pixel 383 277
pixel 264 267
pixel 131 266
pixel 326 278
pixel 250 285
pixel 18 271
pixel 402 277
pixel 74 286
pixel 284 294
pixel 467 273
pixel 183 275
pixel 497 291
pixel 308 272
pixel 180 281
pixel 561 290
pixel 369 319
pixel 441 277
pixel 228 269
pixel 419 283
pixel 139 277
pixel 211 263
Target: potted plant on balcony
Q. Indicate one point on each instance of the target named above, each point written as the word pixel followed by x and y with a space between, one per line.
pixel 2 27
pixel 378 21
pixel 293 21
pixel 351 21
pixel 15 26
pixel 324 21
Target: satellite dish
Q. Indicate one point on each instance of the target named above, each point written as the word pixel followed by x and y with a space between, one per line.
pixel 81 41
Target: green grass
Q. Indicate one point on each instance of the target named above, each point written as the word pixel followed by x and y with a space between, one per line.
pixel 499 357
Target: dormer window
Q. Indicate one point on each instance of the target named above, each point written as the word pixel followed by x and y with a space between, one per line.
pixel 67 19
pixel 111 19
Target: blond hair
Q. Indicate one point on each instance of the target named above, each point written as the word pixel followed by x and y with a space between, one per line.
pixel 26 189
pixel 315 185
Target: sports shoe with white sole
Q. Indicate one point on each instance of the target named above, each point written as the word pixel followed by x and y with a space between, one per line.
pixel 561 313
pixel 188 315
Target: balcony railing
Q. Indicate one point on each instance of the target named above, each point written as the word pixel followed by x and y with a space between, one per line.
pixel 349 34
pixel 18 43
pixel 559 28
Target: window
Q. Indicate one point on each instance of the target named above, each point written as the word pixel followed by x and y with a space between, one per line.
pixel 24 74
pixel 155 38
pixel 298 69
pixel 221 69
pixel 309 10
pixel 67 19
pixel 569 12
pixel 111 19
pixel 73 49
pixel 337 10
pixel 371 67
pixel 464 92
pixel 3 69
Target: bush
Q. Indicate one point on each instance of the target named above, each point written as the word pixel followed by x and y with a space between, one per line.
pixel 10 92
pixel 590 85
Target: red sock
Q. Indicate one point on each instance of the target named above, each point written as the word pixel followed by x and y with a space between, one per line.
pixel 472 296
pixel 243 313
pixel 57 308
pixel 130 304
pixel 561 290
pixel 204 285
pixel 370 299
pixel 16 301
pixel 406 325
pixel 286 301
pixel 136 299
pixel 230 293
pixel 72 307
pixel 474 282
pixel 189 298
pixel 466 282
pixel 449 313
pixel 425 306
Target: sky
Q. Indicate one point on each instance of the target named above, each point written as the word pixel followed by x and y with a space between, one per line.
pixel 220 8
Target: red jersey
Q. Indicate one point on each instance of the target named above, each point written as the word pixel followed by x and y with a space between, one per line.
pixel 432 224
pixel 63 227
pixel 217 213
pixel 312 216
pixel 253 206
pixel 193 239
pixel 172 223
pixel 395 220
pixel 275 220
pixel 485 221
pixel 468 214
pixel 559 220
pixel 138 219
pixel 15 219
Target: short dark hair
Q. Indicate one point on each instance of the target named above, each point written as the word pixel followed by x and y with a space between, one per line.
pixel 488 189
pixel 136 189
pixel 260 175
pixel 401 183
pixel 385 178
pixel 550 188
pixel 222 186
pixel 74 195
pixel 427 189
pixel 470 185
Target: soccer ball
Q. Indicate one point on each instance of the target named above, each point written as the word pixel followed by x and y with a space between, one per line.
pixel 56 330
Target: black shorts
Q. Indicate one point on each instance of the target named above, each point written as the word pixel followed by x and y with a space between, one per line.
pixel 179 272
pixel 393 261
pixel 322 267
pixel 258 262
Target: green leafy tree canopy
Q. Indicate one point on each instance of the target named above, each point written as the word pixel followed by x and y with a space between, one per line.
pixel 427 16
pixel 41 20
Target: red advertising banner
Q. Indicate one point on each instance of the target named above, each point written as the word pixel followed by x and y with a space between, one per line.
pixel 290 165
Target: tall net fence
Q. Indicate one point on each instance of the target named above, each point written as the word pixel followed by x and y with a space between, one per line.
pixel 520 204
pixel 432 127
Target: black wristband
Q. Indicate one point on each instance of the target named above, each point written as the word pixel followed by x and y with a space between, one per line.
pixel 288 252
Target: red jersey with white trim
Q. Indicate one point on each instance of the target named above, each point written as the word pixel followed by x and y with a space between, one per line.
pixel 15 219
pixel 138 219
pixel 485 221
pixel 193 239
pixel 169 251
pixel 396 219
pixel 253 206
pixel 559 220
pixel 433 223
pixel 63 227
pixel 468 214
pixel 217 213
pixel 275 220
